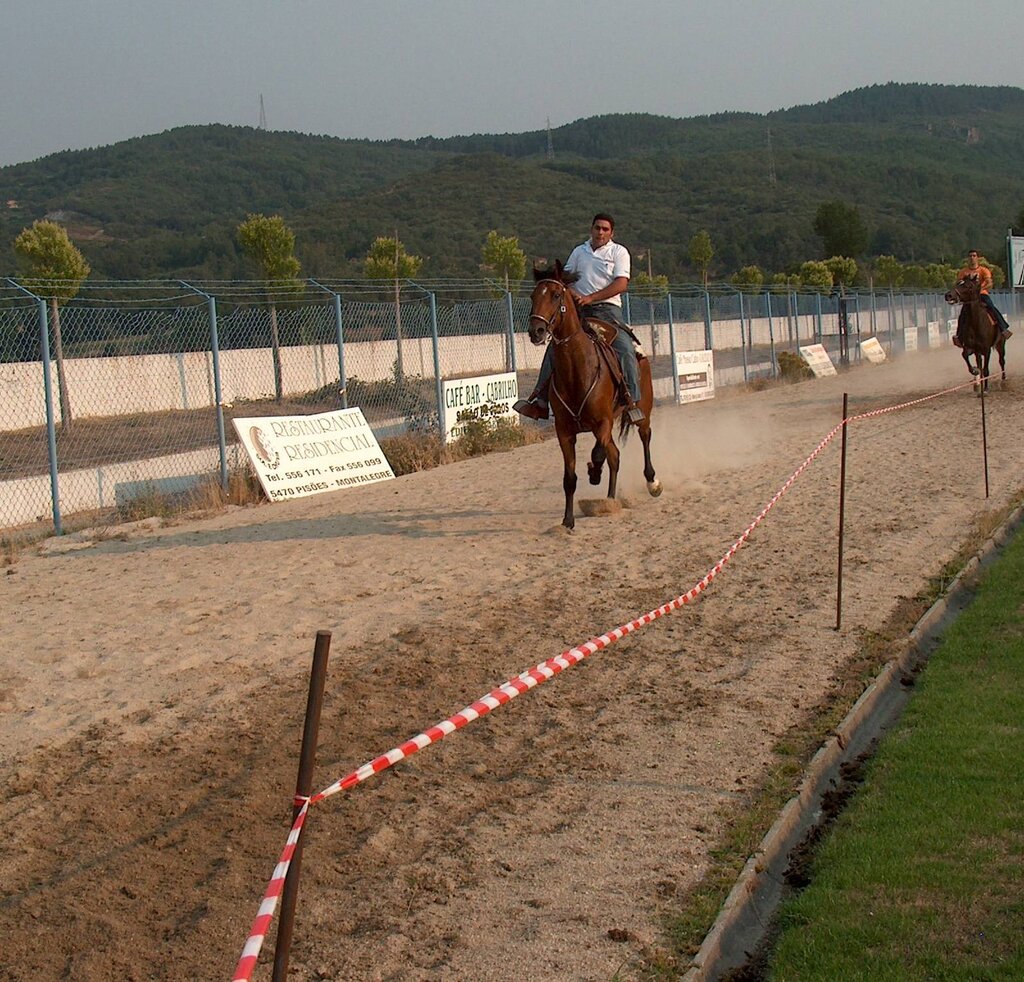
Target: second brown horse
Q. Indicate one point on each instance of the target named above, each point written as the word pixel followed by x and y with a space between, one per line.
pixel 585 385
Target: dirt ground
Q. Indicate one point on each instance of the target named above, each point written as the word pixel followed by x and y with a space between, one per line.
pixel 153 681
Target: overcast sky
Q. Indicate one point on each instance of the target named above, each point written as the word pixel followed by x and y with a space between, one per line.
pixel 76 75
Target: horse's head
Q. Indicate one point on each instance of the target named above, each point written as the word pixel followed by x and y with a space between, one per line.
pixel 552 305
pixel 966 290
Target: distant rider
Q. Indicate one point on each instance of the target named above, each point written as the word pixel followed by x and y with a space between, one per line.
pixel 984 274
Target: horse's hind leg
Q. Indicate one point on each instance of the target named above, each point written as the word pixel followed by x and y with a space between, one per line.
pixel 653 484
pixel 644 427
pixel 567 441
pixel 597 459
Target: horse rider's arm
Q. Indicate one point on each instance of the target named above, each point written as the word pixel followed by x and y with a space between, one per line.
pixel 619 285
pixel 986 278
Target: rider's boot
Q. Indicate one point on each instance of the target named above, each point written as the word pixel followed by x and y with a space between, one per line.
pixel 957 341
pixel 1006 335
pixel 536 407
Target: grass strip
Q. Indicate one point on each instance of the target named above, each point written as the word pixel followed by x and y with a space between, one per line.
pixel 922 876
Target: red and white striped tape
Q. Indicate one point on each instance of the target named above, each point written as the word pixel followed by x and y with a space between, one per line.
pixel 507 692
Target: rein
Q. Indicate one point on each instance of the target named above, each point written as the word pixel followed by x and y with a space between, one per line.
pixel 548 323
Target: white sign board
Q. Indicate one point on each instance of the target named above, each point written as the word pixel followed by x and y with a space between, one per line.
pixel 818 360
pixel 934 337
pixel 872 350
pixel 296 456
pixel 951 326
pixel 910 339
pixel 696 373
pixel 485 397
pixel 1016 252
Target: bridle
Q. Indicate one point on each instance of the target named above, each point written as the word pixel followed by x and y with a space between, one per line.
pixel 549 322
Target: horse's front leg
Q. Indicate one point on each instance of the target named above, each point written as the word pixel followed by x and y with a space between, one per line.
pixel 966 355
pixel 567 441
pixel 597 457
pixel 605 440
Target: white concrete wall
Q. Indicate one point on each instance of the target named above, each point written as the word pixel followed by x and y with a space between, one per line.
pixel 128 384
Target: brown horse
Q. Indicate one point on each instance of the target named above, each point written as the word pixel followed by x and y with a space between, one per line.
pixel 979 334
pixel 585 384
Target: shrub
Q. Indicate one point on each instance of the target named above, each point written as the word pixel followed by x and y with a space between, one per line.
pixel 792 368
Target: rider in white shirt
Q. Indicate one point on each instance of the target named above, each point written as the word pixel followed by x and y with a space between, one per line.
pixel 602 268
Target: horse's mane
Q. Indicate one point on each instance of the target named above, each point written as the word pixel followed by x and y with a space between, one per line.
pixel 556 272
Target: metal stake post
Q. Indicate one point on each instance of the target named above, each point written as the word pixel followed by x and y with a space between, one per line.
pixel 842 515
pixel 303 788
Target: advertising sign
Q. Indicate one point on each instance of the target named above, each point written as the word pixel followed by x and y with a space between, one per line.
pixel 872 350
pixel 818 360
pixel 696 373
pixel 296 456
pixel 487 397
pixel 934 337
pixel 1015 252
pixel 910 339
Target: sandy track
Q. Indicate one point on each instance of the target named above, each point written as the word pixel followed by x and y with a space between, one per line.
pixel 152 687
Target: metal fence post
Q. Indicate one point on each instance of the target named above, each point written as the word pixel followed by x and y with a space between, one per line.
pixel 339 335
pixel 51 422
pixel 771 333
pixel 709 340
pixel 672 352
pixel 437 367
pixel 743 339
pixel 211 308
pixel 820 330
pixel 511 332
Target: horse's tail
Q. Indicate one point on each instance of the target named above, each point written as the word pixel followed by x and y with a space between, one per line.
pixel 625 425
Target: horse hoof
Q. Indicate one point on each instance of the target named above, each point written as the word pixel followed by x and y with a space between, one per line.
pixel 593 476
pixel 654 487
pixel 975 371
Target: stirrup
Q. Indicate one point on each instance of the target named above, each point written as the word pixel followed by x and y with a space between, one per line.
pixel 535 408
pixel 957 342
pixel 635 414
pixel 1006 335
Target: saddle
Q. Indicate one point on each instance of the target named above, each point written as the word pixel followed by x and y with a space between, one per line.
pixel 604 333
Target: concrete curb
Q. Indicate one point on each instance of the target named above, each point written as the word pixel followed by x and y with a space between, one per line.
pixel 746 916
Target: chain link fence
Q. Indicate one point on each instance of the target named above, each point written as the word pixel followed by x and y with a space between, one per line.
pixel 127 391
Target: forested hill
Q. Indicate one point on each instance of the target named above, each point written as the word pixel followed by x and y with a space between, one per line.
pixel 932 169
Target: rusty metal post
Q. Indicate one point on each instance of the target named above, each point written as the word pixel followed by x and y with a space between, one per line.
pixel 984 434
pixel 303 788
pixel 842 515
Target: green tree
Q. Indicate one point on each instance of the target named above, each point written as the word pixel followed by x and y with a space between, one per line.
pixel 841 229
pixel 784 282
pixel 270 245
pixel 649 287
pixel 503 257
pixel 749 279
pixel 889 271
pixel 816 275
pixel 700 251
pixel 388 260
pixel 55 270
pixel 843 270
